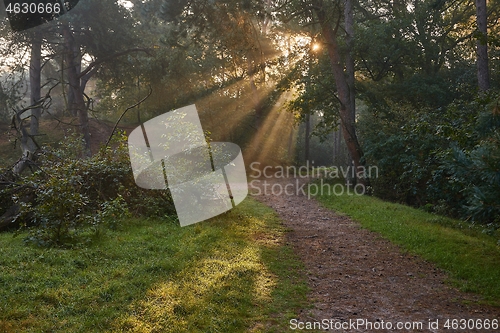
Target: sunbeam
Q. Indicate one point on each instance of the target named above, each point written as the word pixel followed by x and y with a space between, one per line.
pixel 270 144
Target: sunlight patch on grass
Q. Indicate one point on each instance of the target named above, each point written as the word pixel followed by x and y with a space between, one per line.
pixel 152 275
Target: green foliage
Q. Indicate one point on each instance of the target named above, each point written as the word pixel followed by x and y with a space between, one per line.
pixel 313 80
pixel 170 10
pixel 422 126
pixel 114 211
pixel 74 195
pixel 443 159
pixel 60 208
pixel 477 171
pixel 402 144
pixel 407 40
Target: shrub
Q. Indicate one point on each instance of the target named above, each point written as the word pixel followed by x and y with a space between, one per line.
pixel 445 160
pixel 74 196
pixel 477 172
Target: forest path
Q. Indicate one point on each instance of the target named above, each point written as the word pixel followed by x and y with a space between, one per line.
pixel 355 274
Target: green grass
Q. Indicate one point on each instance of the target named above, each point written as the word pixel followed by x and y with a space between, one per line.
pixel 470 258
pixel 233 273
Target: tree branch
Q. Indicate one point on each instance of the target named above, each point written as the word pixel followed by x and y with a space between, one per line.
pixel 124 112
pixel 96 63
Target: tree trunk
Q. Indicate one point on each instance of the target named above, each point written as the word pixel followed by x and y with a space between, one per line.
pixel 483 76
pixel 78 106
pixel 349 29
pixel 3 102
pixel 307 138
pixel 27 137
pixel 256 101
pixel 347 110
pixel 8 218
pixel 349 65
pixel 78 64
pixel 337 148
pixel 35 87
pixel 291 150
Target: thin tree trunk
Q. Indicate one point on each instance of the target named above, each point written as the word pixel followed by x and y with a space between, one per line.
pixel 291 156
pixel 483 76
pixel 257 105
pixel 307 138
pixel 78 106
pixel 337 147
pixel 349 29
pixel 71 102
pixel 78 63
pixel 35 86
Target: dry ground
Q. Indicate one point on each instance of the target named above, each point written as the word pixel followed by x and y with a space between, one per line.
pixel 356 274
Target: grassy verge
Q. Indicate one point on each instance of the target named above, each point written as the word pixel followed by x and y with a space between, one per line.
pixel 230 274
pixel 470 258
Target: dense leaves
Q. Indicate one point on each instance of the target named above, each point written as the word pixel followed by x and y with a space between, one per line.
pixel 446 160
pixel 73 197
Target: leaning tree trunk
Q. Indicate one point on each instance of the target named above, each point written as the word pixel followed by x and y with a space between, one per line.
pixel 344 92
pixel 78 106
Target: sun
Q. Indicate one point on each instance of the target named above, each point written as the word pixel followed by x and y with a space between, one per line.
pixel 316 47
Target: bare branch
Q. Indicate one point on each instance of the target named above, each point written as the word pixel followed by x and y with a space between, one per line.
pixel 124 112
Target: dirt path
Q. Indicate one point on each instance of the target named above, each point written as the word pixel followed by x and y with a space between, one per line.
pixel 354 274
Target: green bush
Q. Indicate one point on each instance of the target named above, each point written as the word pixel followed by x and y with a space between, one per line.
pixel 113 211
pixel 402 142
pixel 477 172
pixel 74 196
pixel 445 160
